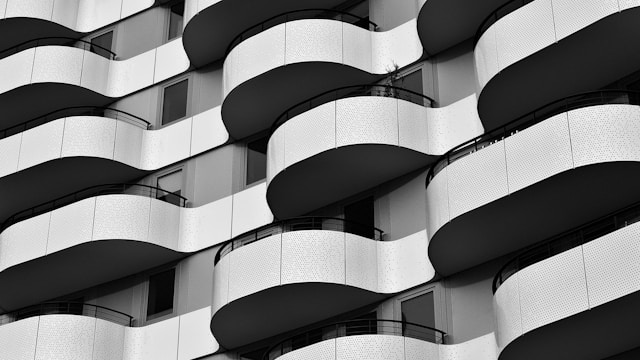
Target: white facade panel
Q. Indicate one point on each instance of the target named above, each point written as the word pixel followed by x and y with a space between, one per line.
pixel 171 59
pixel 361 262
pixel 39 9
pixel 415 349
pixel 130 75
pixel 122 217
pixel 207 131
pixel 109 341
pixel 24 241
pixel 95 73
pixel 363 120
pixel 486 57
pixel 10 154
pixel 89 136
pixel 412 126
pixel 128 144
pixel 71 225
pixel 205 225
pixel 195 338
pixel 255 267
pixel 166 146
pixel 309 133
pixel 324 350
pixel 221 275
pixel 58 64
pixel 164 224
pixel 370 347
pixel 250 210
pixel 66 337
pixel 313 256
pixel 506 307
pixel 152 342
pixel 403 263
pixel 16 69
pixel 18 340
pixel 313 40
pixel 438 202
pixel 41 144
pixel 356 47
pixel 571 16
pixel 399 46
pixel 96 13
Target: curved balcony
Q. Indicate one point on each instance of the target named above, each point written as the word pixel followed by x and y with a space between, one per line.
pixel 445 23
pixel 59 41
pixel 86 331
pixel 390 336
pixel 108 144
pixel 553 164
pixel 303 264
pixel 64 76
pixel 22 21
pixel 542 42
pixel 66 308
pixel 301 59
pixel 137 227
pixel 583 281
pixel 355 138
pixel 229 18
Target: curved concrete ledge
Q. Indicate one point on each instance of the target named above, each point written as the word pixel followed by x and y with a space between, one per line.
pixel 79 337
pixel 550 170
pixel 542 43
pixel 292 272
pixel 344 146
pixel 390 347
pixel 304 58
pixel 109 151
pixel 554 307
pixel 229 18
pixel 133 231
pixel 445 23
pixel 24 20
pixel 60 76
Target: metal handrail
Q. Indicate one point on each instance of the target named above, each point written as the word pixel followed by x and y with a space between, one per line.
pixel 108 189
pixel 60 41
pixel 70 308
pixel 351 91
pixel 299 15
pixel 498 14
pixel 352 328
pixel 298 224
pixel 582 100
pixel 76 111
pixel 568 240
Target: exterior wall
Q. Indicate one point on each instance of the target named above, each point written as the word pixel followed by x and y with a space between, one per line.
pixel 456 71
pixel 142 32
pixel 400 211
pixel 391 13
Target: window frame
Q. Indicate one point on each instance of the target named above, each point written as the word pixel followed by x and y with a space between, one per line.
pixel 167 26
pixel 168 171
pixel 161 96
pixel 434 288
pixel 114 38
pixel 245 169
pixel 163 315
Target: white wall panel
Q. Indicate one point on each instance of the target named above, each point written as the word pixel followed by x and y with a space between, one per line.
pixel 400 45
pixel 207 131
pixel 130 7
pixel 195 338
pixel 480 348
pixel 361 262
pixel 313 40
pixel 131 75
pixel 605 133
pixel 41 144
pixel 370 347
pixel 313 256
pixel 171 59
pixel 415 349
pixel 250 210
pixel 524 32
pixel 477 180
pixel 538 152
pixel 39 9
pixel 18 339
pixel 16 70
pixel 66 337
pixel 403 263
pixel 89 136
pixel 553 289
pixel 71 225
pixel 438 202
pixel 362 120
pixel 276 148
pixel 412 126
pixel 627 4
pixel 10 154
pixel 24 241
pixel 92 12
pixel 452 125
pixel 255 267
pixel 324 350
pixel 612 265
pixel 205 225
pixel 152 342
pixel 122 217
pixel 164 224
pixel 356 46
pixel 65 12
pixel 166 146
pixel 95 74
pixel 59 64
pixel 109 341
pixel 310 133
pixel 128 144
pixel 506 306
pixel 221 274
pixel 571 16
pixel 486 57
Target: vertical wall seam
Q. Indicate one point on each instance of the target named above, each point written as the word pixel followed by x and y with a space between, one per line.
pixel 95 332
pixel 553 19
pixel 573 161
pixel 19 151
pixel 586 281
pixel 82 67
pixel 35 350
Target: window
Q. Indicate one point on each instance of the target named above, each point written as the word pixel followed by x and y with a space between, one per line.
pixel 359 218
pixel 412 81
pixel 101 44
pixel 160 295
pixel 257 160
pixel 176 14
pixel 419 310
pixel 172 184
pixel 174 101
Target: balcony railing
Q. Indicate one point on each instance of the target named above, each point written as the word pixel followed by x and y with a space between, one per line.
pixel 75 111
pixel 59 41
pixel 352 91
pixel 498 14
pixel 603 97
pixel 301 15
pixel 298 224
pixel 568 240
pixel 355 327
pixel 109 189
pixel 68 308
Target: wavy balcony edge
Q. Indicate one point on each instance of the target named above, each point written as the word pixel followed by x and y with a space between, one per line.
pixel 591 143
pixel 540 43
pixel 307 267
pixel 302 59
pixel 360 136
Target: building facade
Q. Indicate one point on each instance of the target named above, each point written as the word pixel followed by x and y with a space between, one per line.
pixel 321 179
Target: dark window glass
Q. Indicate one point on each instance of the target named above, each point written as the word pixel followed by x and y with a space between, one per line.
pixel 257 160
pixel 160 298
pixel 413 82
pixel 172 184
pixel 176 13
pixel 365 324
pixel 174 104
pixel 359 218
pixel 419 310
pixel 100 44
